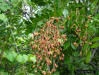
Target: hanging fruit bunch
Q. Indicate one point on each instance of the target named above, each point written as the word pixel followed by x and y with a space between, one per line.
pixel 46 44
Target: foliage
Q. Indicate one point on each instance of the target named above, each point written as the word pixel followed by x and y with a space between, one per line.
pixel 19 19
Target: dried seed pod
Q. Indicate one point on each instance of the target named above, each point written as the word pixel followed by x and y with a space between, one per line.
pixel 36 34
pixel 47 47
pixel 53 70
pixel 86 26
pixel 43 72
pixel 60 58
pixel 75 44
pixel 90 16
pixel 55 65
pixel 68 18
pixel 35 71
pixel 84 38
pixel 64 36
pixel 48 72
pixel 33 66
pixel 61 27
pixel 29 44
pixel 54 56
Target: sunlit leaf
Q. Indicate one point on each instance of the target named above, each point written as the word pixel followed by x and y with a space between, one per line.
pixel 20 58
pixel 95 45
pixel 10 55
pixel 95 39
pixel 32 58
pixel 88 57
pixel 3 17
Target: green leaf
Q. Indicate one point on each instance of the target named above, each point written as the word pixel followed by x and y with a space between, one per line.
pixel 86 46
pixel 25 58
pixel 10 55
pixel 66 45
pixel 22 58
pixel 19 58
pixel 20 73
pixel 3 73
pixel 95 39
pixel 88 57
pixel 32 58
pixel 95 45
pixel 0 50
pixel 40 23
pixel 31 74
pixel 15 2
pixel 3 17
pixel 4 6
pixel 56 73
pixel 68 60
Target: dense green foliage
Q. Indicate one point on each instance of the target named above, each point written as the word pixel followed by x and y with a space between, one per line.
pixel 19 19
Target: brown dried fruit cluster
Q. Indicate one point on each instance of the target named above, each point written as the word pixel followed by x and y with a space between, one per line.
pixel 47 47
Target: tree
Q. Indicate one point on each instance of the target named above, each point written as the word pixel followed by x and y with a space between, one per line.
pixel 19 19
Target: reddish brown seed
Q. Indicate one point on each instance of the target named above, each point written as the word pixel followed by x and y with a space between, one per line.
pixel 48 72
pixel 80 44
pixel 33 66
pixel 55 65
pixel 60 49
pixel 36 34
pixel 54 26
pixel 31 42
pixel 37 53
pixel 86 42
pixel 74 24
pixel 64 36
pixel 40 67
pixel 75 44
pixel 57 20
pixel 89 17
pixel 40 58
pixel 35 71
pixel 84 38
pixel 86 26
pixel 53 70
pixel 34 46
pixel 52 18
pixel 58 44
pixel 54 56
pixel 90 43
pixel 38 49
pixel 44 73
pixel 60 58
pixel 61 27
pixel 78 30
pixel 63 55
pixel 68 18
pixel 29 45
pixel 46 23
pixel 48 53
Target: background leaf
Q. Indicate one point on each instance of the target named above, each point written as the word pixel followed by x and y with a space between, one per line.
pixel 95 45
pixel 88 57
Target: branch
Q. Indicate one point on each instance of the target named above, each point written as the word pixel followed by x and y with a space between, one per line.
pixel 94 51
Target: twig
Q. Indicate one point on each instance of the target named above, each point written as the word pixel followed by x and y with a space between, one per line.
pixel 94 51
